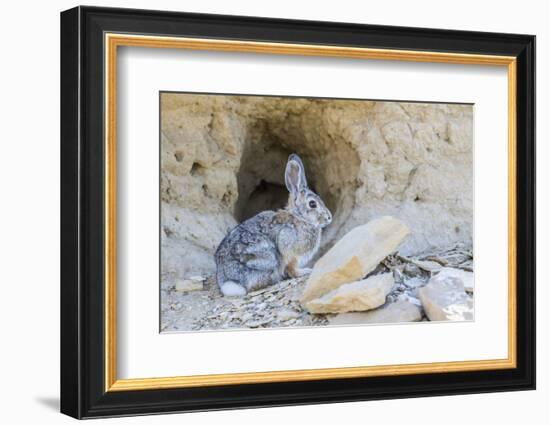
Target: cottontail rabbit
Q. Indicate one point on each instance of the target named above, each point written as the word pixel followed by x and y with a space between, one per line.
pixel 272 245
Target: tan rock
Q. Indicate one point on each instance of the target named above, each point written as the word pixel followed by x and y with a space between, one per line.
pixel 355 255
pixel 356 296
pixel 444 298
pixel 396 312
pixel 191 284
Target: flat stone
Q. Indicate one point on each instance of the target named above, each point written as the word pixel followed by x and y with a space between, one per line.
pixel 429 266
pixel 197 278
pixel 188 285
pixel 444 298
pixel 355 255
pixel 396 312
pixel 356 296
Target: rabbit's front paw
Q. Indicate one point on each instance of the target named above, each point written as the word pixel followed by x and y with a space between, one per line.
pixel 294 271
pixel 303 272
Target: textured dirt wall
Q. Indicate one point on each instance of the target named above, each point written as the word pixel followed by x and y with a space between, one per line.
pixel 223 159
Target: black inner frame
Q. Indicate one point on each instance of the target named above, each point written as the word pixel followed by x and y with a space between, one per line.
pixel 82 206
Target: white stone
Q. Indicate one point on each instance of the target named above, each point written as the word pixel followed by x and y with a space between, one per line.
pixel 355 255
pixel 396 312
pixel 355 296
pixel 466 277
pixel 429 266
pixel 444 298
pixel 197 278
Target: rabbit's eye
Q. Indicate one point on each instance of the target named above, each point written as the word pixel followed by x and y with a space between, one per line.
pixel 312 204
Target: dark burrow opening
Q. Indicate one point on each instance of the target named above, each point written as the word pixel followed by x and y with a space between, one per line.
pixel 266 196
pixel 261 180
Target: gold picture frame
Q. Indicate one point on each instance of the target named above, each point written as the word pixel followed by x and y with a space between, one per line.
pixel 114 41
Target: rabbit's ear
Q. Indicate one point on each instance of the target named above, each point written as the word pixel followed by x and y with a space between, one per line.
pixel 295 175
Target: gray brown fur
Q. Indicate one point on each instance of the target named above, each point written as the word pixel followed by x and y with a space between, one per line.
pixel 273 245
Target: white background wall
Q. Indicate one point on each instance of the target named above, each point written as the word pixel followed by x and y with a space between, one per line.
pixel 29 224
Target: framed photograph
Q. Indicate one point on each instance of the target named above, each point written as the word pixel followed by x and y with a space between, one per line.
pixel 261 212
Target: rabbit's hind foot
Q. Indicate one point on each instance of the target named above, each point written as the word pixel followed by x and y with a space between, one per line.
pixel 232 289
